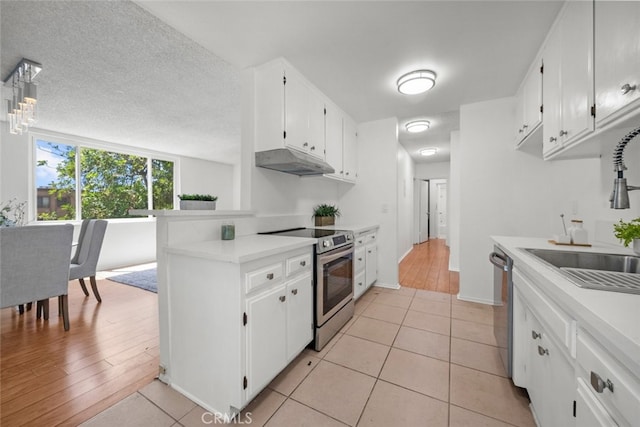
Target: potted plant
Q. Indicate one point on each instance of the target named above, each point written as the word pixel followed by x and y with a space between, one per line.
pixel 629 232
pixel 325 214
pixel 197 202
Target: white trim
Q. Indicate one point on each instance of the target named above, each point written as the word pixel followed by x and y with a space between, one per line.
pixel 478 300
pixel 387 286
pixel 405 254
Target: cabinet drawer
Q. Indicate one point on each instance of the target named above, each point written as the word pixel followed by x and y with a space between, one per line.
pixel 359 259
pixel 298 263
pixel 263 276
pixel 371 237
pixel 361 240
pixel 594 361
pixel 359 285
pixel 557 321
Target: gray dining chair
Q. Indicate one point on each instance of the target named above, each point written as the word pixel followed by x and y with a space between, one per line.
pixel 34 266
pixel 85 259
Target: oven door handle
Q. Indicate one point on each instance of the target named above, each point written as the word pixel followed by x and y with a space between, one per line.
pixel 498 260
pixel 330 256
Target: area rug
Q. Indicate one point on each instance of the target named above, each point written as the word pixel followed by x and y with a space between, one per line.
pixel 143 279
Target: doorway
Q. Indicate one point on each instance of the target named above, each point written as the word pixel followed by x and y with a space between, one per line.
pixel 422 210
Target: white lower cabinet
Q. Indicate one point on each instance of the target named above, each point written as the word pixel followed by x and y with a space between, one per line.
pixel 365 262
pixel 542 362
pixel 234 327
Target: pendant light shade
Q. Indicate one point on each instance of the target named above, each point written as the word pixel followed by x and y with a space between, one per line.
pixel 416 82
pixel 417 126
pixel 21 109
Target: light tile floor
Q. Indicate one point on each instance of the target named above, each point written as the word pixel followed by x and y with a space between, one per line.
pixel 408 358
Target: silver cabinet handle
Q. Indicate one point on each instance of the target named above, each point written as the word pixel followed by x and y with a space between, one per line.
pixel 347 173
pixel 520 130
pixel 535 335
pixel 359 283
pixel 282 298
pixel 542 351
pixel 524 127
pixel 626 88
pixel 563 133
pixel 359 242
pixel 359 259
pixel 599 384
pixel 553 139
pixel 313 147
pixel 306 144
pixel 270 276
pixel 303 263
pixel 294 291
pixel 369 251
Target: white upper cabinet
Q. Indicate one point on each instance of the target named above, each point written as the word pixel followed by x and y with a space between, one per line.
pixel 289 111
pixel 350 150
pixel 529 104
pixel 617 59
pixel 568 78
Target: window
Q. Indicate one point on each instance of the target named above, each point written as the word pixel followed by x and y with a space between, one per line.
pixel 104 184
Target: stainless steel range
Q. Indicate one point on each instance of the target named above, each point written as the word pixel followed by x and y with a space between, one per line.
pixel 333 272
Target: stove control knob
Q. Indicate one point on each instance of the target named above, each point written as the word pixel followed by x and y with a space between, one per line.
pixel 349 237
pixel 326 243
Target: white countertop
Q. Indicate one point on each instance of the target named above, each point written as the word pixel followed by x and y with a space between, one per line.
pixel 356 228
pixel 612 317
pixel 243 248
pixel 188 213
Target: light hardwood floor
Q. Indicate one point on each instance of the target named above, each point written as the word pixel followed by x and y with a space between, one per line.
pixel 427 267
pixel 52 377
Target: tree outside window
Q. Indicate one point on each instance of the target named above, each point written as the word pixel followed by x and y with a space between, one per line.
pixel 110 184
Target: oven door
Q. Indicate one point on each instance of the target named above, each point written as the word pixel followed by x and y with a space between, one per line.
pixel 334 284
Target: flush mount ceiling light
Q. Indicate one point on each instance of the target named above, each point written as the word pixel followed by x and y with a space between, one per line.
pixel 21 109
pixel 415 82
pixel 428 151
pixel 417 126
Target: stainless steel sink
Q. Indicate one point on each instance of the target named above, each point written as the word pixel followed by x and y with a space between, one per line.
pixel 609 272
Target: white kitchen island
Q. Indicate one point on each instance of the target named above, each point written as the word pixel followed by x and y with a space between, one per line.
pixel 233 313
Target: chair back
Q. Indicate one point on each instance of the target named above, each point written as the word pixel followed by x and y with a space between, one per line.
pixel 88 252
pixel 83 231
pixel 34 263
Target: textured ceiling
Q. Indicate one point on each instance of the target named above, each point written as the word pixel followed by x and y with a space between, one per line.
pixel 114 72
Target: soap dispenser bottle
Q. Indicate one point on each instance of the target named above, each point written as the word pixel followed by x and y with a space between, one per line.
pixel 578 233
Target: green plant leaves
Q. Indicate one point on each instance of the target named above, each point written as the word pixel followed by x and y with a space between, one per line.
pixel 627 231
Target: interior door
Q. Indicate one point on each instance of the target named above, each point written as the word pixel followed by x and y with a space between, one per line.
pixel 424 212
pixel 442 210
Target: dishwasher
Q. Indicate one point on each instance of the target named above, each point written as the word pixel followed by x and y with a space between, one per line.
pixel 503 313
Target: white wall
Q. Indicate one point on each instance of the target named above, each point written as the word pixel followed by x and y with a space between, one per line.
pixel 374 198
pixel 433 170
pixel 510 192
pixel 204 177
pixel 405 191
pixel 454 203
pixel 127 241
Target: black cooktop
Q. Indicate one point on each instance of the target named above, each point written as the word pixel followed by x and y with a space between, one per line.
pixel 314 233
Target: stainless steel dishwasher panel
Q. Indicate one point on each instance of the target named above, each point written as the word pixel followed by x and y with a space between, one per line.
pixel 503 313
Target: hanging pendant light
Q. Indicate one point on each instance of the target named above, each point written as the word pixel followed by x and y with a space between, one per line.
pixel 21 109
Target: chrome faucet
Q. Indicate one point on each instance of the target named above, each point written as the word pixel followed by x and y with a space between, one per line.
pixel 620 195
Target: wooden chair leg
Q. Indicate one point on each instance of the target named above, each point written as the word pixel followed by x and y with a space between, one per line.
pixel 29 306
pixel 84 287
pixel 94 287
pixel 21 309
pixel 42 309
pixel 63 302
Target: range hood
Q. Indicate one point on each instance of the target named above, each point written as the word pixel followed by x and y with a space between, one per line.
pixel 292 161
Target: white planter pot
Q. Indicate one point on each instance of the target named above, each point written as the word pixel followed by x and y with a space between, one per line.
pixel 636 246
pixel 202 205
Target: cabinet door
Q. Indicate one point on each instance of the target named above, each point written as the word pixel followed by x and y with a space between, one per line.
pixel 576 71
pixel 532 93
pixel 551 379
pixel 551 94
pixel 316 135
pixel 266 337
pixel 350 150
pixel 359 259
pixel 371 265
pixel 296 115
pixel 617 58
pixel 299 314
pixel 359 285
pixel 590 412
pixel 333 140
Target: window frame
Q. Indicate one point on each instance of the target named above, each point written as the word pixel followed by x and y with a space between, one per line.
pixel 80 143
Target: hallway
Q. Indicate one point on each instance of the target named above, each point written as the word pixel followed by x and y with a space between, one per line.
pixel 427 267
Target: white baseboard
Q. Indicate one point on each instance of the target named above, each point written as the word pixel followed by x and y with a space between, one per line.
pixel 387 286
pixel 405 254
pixel 478 300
